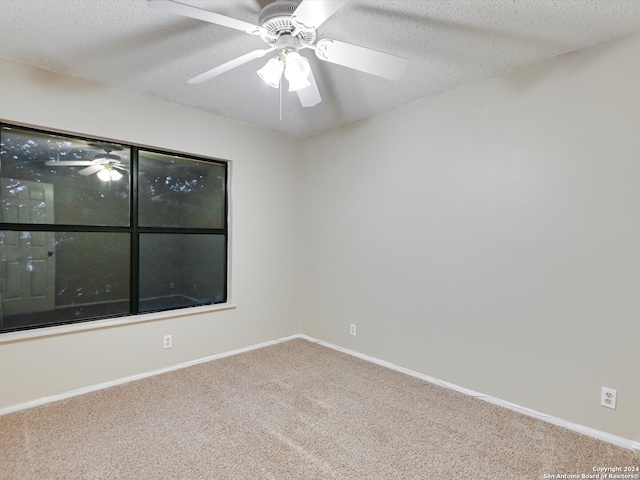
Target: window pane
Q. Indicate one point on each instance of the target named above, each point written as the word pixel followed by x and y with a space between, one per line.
pixel 56 277
pixel 51 179
pixel 181 270
pixel 180 192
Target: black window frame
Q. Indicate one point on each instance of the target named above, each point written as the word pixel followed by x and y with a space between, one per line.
pixel 133 228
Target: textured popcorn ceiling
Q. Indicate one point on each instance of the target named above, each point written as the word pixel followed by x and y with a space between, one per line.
pixel 449 43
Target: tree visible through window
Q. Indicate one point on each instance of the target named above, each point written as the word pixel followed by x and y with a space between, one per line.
pixel 92 229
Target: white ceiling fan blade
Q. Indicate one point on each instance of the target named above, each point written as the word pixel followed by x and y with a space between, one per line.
pixel 69 163
pixel 206 16
pixel 361 58
pixel 103 160
pixel 90 170
pixel 225 67
pixel 313 13
pixel 310 96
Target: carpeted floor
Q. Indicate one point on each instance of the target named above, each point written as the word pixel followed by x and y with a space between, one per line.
pixel 295 410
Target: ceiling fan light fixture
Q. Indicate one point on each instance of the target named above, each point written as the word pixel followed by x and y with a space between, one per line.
pixel 115 175
pixel 297 71
pixel 104 175
pixel 108 173
pixel 298 84
pixel 272 71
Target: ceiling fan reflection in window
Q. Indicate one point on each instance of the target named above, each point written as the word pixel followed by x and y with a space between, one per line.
pixel 105 164
pixel 288 27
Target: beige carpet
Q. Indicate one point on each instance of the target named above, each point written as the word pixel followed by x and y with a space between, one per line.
pixel 295 410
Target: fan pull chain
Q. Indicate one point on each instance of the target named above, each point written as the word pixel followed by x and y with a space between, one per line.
pixel 280 99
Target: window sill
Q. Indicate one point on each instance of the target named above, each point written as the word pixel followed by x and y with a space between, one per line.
pixel 110 322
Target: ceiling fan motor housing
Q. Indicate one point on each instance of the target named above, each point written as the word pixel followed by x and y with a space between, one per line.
pixel 276 19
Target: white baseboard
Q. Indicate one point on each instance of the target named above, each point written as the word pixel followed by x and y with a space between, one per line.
pixel 139 376
pixel 591 432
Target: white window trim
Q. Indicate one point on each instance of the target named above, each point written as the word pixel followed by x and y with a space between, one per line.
pixel 111 322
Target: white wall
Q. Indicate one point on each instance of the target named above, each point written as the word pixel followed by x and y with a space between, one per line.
pixel 490 237
pixel 265 191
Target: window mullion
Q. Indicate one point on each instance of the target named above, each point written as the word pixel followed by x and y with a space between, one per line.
pixel 135 239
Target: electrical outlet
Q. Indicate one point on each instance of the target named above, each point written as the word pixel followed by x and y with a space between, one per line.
pixel 608 397
pixel 352 329
pixel 107 288
pixel 172 285
pixel 168 341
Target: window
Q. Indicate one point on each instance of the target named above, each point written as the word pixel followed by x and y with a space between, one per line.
pixel 92 229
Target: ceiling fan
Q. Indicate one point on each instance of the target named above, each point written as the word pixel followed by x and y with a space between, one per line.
pixel 106 164
pixel 287 27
